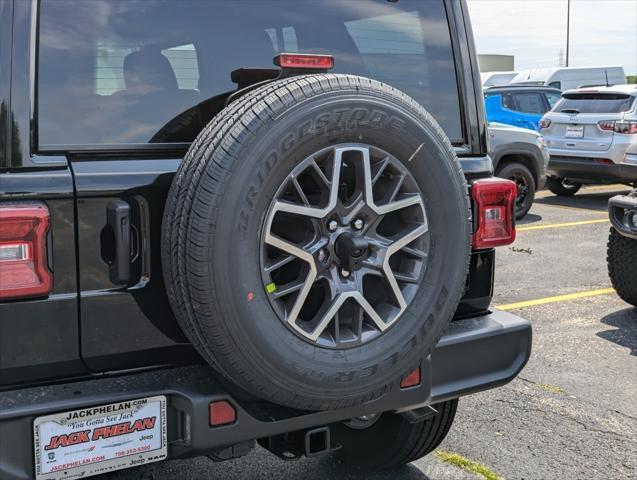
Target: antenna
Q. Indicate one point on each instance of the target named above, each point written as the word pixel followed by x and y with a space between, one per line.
pixel 606 75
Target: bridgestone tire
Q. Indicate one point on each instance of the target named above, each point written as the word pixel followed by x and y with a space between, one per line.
pixel 392 441
pixel 214 218
pixel 622 266
pixel 558 187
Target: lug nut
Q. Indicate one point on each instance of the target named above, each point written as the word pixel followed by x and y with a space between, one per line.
pixel 332 225
pixel 322 255
pixel 358 224
pixel 345 273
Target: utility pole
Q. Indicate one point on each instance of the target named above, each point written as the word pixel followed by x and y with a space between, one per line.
pixel 568 27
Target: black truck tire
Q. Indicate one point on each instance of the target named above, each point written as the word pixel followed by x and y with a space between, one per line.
pixel 525 182
pixel 562 187
pixel 622 265
pixel 214 236
pixel 392 441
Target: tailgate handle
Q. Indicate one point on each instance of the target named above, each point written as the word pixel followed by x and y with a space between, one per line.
pixel 118 218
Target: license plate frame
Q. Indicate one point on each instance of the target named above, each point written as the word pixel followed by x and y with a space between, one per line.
pixel 100 439
pixel 574 131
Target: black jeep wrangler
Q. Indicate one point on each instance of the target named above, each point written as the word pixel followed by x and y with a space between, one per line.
pixel 202 248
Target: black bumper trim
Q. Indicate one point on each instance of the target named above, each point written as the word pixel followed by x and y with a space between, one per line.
pixel 621 208
pixel 586 169
pixel 474 354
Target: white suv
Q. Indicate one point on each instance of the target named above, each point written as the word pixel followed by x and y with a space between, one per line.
pixel 591 134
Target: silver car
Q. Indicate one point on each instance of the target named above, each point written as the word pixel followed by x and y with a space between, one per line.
pixel 591 134
pixel 519 154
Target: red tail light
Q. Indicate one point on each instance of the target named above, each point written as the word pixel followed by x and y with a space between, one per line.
pixel 411 380
pixel 222 413
pixel 304 61
pixel 494 200
pixel 545 123
pixel 604 161
pixel 23 260
pixel 627 127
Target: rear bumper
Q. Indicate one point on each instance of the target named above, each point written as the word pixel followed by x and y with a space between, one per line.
pixel 475 354
pixel 588 170
pixel 621 210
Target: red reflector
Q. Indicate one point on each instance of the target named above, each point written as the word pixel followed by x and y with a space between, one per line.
pixel 494 200
pixel 304 61
pixel 23 266
pixel 411 380
pixel 545 123
pixel 222 413
pixel 604 161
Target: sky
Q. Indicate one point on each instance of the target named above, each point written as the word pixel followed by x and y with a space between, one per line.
pixel 603 32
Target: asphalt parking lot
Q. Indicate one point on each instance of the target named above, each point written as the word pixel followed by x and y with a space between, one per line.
pixel 571 414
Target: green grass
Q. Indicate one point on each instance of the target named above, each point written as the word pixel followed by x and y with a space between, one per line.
pixel 550 388
pixel 459 461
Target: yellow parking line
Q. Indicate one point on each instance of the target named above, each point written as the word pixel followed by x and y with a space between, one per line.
pixel 585 190
pixel 577 209
pixel 561 225
pixel 558 298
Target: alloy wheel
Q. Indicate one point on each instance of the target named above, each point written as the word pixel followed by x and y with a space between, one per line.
pixel 344 245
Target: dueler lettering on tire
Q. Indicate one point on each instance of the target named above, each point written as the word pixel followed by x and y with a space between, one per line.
pixel 316 240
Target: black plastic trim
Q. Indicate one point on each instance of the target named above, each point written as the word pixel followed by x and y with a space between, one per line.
pixel 473 355
pixel 587 170
pixel 618 207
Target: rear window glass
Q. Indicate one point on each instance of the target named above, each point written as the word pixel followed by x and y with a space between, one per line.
pixel 530 103
pixel 115 72
pixel 595 103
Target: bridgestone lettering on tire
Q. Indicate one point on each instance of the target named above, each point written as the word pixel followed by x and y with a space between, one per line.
pixel 316 240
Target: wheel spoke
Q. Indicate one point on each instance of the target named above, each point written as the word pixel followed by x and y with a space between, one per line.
pixel 404 278
pixel 393 248
pixel 392 205
pixel 320 173
pixel 396 189
pixel 303 210
pixel 300 191
pixel 380 171
pixel 398 204
pixel 415 253
pixel 284 260
pixel 288 288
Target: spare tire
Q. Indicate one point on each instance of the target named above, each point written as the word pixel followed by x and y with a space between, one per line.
pixel 316 240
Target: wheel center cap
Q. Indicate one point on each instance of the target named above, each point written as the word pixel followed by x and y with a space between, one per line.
pixel 351 250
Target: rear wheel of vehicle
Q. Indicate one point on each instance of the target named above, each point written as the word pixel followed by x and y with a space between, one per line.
pixel 622 266
pixel 562 186
pixel 525 182
pixel 316 240
pixel 391 441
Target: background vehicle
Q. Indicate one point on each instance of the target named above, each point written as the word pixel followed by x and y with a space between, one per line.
pixel 592 138
pixel 519 106
pixel 169 197
pixel 622 246
pixel 496 79
pixel 566 78
pixel 519 154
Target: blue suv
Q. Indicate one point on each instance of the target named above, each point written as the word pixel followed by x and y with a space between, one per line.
pixel 521 106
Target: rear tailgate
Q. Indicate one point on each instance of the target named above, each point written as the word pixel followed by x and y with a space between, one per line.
pixel 579 132
pixel 575 120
